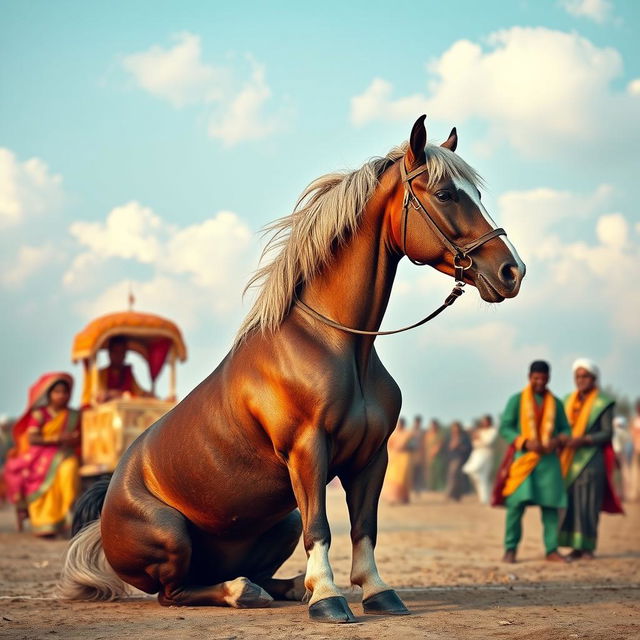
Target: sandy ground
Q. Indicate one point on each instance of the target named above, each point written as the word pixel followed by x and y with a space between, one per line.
pixel 443 558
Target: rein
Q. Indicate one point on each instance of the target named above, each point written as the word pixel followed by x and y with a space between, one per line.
pixel 460 255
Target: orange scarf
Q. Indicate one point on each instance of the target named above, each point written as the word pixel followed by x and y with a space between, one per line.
pixel 526 463
pixel 578 419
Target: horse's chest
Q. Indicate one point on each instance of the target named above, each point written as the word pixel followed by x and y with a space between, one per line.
pixel 361 435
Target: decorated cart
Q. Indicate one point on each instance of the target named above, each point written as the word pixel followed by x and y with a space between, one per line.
pixel 108 428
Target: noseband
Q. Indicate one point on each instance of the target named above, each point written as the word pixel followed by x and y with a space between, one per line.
pixel 461 258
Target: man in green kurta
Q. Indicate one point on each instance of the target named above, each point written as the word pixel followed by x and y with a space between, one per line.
pixel 534 424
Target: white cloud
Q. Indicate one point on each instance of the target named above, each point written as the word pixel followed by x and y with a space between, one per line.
pixel 177 74
pixel 244 116
pixel 209 251
pixel 613 230
pixel 130 231
pixel 239 107
pixel 531 217
pixel 376 104
pixel 541 90
pixel 634 87
pixel 198 268
pixel 84 272
pixel 575 274
pixel 596 10
pixel 26 188
pixel 28 261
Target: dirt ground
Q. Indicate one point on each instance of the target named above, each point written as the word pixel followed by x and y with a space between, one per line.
pixel 443 558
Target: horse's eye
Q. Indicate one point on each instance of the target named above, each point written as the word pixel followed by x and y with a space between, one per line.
pixel 443 195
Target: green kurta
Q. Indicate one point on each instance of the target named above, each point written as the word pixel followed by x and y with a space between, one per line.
pixel 544 486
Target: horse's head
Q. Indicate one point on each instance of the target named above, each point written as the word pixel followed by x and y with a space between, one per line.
pixel 444 223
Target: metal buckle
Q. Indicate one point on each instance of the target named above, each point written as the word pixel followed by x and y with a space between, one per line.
pixel 459 269
pixel 462 255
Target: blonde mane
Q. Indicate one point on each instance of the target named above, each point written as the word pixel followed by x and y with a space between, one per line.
pixel 325 216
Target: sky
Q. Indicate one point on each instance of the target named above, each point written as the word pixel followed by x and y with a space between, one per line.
pixel 145 144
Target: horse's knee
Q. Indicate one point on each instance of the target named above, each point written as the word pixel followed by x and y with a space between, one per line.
pixel 156 550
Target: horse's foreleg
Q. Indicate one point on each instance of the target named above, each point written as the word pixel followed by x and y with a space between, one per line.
pixel 363 491
pixel 308 463
pixel 240 593
pixel 268 554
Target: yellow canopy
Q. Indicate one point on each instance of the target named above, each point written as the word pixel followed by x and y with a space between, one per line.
pixel 142 330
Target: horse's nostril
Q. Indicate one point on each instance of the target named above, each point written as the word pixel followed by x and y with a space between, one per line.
pixel 509 274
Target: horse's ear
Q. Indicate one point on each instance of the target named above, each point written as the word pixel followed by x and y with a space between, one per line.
pixel 452 141
pixel 417 143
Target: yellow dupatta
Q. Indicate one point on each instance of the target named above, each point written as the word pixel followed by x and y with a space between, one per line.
pixel 52 429
pixel 578 425
pixel 526 463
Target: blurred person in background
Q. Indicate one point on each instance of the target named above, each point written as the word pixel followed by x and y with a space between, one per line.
pixel 41 470
pixel 117 380
pixel 6 426
pixel 623 448
pixel 634 492
pixel 418 456
pixel 435 456
pixel 397 481
pixel 588 461
pixel 457 449
pixel 480 463
pixel 534 424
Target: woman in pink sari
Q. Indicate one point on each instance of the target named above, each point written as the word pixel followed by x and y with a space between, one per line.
pixel 41 471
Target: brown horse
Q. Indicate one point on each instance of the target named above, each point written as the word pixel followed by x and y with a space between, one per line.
pixel 209 502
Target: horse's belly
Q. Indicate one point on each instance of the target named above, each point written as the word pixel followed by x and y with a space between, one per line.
pixel 226 496
pixel 243 511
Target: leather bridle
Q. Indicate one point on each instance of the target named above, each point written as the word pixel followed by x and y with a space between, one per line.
pixel 461 258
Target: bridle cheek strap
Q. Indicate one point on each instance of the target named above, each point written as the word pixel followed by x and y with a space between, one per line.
pixel 461 258
pixel 460 253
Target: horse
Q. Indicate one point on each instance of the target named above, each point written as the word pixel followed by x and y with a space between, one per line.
pixel 209 502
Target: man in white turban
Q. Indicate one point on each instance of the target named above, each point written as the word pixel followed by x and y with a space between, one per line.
pixel 587 461
pixel 588 365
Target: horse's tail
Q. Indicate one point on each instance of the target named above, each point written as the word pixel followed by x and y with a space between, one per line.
pixel 86 574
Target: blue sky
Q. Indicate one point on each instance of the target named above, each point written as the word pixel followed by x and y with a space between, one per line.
pixel 148 143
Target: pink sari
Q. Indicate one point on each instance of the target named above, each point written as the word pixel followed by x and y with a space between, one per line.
pixel 29 468
pixel 30 473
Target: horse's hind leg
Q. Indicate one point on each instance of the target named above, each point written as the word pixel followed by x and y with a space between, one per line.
pixel 149 546
pixel 270 552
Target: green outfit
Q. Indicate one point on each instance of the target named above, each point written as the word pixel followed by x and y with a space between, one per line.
pixel 544 486
pixel 587 479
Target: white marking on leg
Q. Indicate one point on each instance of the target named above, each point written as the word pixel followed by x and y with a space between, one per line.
pixel 319 577
pixel 364 571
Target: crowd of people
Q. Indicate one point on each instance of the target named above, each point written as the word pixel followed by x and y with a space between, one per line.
pixel 452 460
pixel 572 458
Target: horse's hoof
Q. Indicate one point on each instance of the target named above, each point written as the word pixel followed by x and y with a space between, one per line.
pixel 333 610
pixel 244 594
pixel 385 603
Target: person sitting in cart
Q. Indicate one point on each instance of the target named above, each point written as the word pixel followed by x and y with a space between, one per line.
pixel 117 380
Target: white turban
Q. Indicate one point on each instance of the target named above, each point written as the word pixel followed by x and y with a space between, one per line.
pixel 589 365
